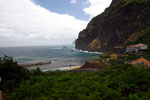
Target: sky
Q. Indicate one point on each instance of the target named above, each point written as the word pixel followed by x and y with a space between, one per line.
pixel 45 22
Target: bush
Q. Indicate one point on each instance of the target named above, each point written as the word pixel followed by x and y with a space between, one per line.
pixel 11 73
pixel 115 83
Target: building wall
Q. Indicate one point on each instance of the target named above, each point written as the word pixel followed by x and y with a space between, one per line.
pixel 143 48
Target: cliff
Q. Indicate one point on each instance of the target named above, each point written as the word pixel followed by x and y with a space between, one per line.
pixel 121 23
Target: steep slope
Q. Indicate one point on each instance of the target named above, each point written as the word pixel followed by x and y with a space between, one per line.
pixel 121 23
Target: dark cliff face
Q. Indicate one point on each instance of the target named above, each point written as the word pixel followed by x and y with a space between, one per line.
pixel 119 24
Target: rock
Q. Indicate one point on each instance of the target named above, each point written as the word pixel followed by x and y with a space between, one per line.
pixel 115 26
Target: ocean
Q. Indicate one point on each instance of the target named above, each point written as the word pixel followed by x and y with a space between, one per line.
pixel 60 56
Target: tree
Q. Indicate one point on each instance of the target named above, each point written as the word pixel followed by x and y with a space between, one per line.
pixel 11 73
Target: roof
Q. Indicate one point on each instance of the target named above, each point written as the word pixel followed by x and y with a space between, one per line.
pixel 145 61
pixel 141 45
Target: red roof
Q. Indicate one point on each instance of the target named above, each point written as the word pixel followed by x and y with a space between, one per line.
pixel 141 60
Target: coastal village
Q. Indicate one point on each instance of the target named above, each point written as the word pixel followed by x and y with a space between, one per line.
pixel 115 32
pixel 140 50
pixel 137 55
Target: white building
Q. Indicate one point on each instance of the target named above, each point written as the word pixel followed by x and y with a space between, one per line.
pixel 140 46
pixel 136 47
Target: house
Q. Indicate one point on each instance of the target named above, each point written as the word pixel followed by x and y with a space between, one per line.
pixel 136 48
pixel 140 46
pixel 130 48
pixel 141 61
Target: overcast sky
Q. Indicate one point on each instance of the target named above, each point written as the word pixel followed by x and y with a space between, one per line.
pixel 45 22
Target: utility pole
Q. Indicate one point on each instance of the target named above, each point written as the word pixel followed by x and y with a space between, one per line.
pixel 70 67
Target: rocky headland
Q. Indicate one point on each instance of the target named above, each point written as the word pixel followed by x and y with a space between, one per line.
pixel 123 22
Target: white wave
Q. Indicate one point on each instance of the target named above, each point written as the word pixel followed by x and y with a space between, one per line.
pixel 62 68
pixel 88 51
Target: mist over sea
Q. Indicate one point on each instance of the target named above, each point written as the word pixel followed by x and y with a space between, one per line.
pixel 61 56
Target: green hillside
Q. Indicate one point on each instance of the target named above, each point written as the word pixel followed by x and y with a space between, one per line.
pixel 120 82
pixel 144 38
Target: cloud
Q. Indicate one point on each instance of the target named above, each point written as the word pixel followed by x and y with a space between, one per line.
pixel 22 22
pixel 73 1
pixel 96 7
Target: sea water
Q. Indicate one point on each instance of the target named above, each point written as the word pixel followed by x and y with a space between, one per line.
pixel 60 56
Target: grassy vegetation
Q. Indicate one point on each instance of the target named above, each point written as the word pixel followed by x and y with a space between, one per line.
pixel 120 82
pixel 137 1
pixel 12 74
pixel 145 38
pixel 123 82
pixel 142 37
pixel 123 3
